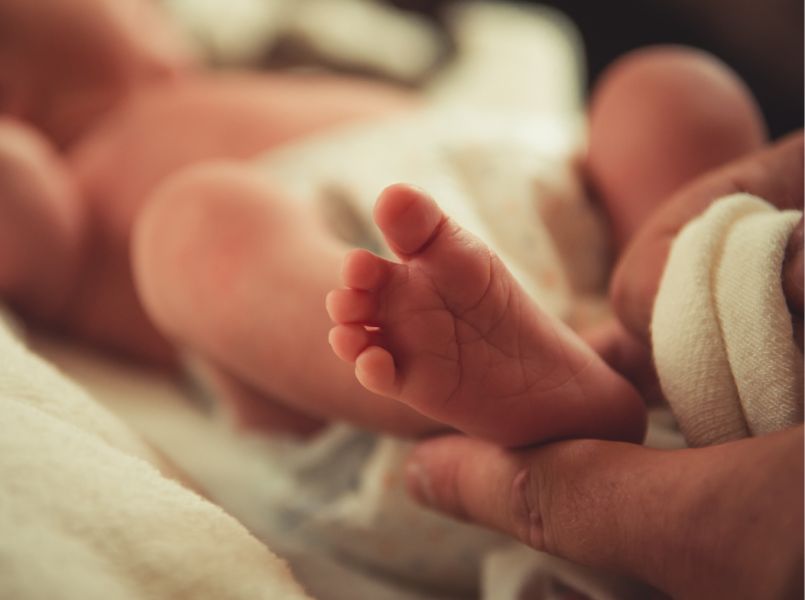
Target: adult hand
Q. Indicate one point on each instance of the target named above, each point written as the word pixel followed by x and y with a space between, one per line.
pixel 717 522
pixel 722 521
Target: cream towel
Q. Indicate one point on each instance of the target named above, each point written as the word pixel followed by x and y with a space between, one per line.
pixel 83 515
pixel 721 331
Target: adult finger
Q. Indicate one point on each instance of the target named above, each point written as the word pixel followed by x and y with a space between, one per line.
pixel 774 174
pixel 723 521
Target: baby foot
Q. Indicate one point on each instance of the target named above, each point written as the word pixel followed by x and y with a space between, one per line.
pixel 449 332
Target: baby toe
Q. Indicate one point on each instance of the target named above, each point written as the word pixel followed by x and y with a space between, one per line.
pixel 348 341
pixel 408 218
pixel 352 306
pixel 375 370
pixel 363 270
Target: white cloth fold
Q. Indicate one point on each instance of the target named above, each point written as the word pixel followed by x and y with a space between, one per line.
pixel 721 330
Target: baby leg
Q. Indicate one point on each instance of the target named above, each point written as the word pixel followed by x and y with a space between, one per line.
pixel 658 118
pixel 233 270
pixel 449 332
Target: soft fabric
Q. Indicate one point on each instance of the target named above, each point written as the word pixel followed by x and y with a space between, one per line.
pixel 721 331
pixel 84 514
pixel 371 37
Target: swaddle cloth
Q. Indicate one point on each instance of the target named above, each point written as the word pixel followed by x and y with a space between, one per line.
pixel 721 331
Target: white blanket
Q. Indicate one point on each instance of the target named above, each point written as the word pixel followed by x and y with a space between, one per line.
pixel 85 514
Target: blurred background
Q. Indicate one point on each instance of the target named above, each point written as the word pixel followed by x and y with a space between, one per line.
pixel 762 41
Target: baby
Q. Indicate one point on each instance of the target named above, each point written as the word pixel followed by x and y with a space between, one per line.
pixel 448 332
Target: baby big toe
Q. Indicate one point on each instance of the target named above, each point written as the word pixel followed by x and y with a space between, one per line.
pixel 408 218
pixel 348 341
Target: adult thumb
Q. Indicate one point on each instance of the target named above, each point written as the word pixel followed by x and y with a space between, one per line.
pixel 723 521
